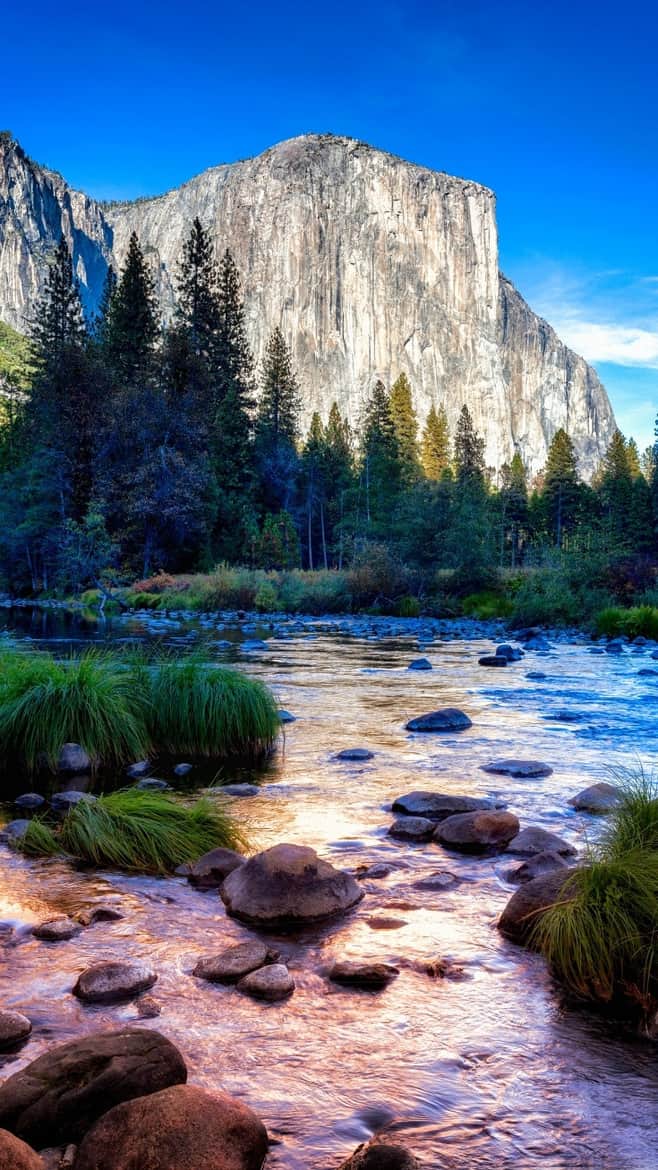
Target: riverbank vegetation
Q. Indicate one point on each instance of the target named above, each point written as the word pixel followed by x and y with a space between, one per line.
pixel 120 709
pixel 601 936
pixel 159 463
pixel 147 832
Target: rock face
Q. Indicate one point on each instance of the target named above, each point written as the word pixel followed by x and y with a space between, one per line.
pixel 62 1093
pixel 182 1128
pixel 404 278
pixel 288 886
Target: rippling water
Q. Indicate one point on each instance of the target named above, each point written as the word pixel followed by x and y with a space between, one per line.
pixel 493 1070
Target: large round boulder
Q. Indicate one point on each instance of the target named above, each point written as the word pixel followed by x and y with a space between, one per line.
pixel 182 1128
pixel 477 832
pixel 529 902
pixel 272 983
pixel 412 829
pixel 57 1097
pixel 447 719
pixel 14 1029
pixel 381 1155
pixel 15 1155
pixel 534 840
pixel 210 870
pixel 436 806
pixel 537 866
pixel 112 980
pixel 288 886
pixel 598 798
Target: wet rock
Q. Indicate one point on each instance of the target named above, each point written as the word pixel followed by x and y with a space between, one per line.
pixel 646 671
pixel 598 798
pixel 232 964
pixel 493 660
pixel 98 914
pixel 356 754
pixel 210 870
pixel 537 866
pixel 29 801
pixel 564 716
pixel 370 976
pixel 14 831
pixel 151 784
pixel 57 929
pixel 139 769
pixel 63 801
pixel 381 922
pixel 73 760
pixel 536 675
pixel 286 717
pixel 147 1007
pixel 381 1155
pixel 519 769
pixel 529 902
pixel 240 789
pixel 412 829
pixel 436 882
pixel 14 1028
pixel 114 979
pixel 420 664
pixel 182 1128
pixel 512 653
pixel 57 1097
pixel 436 806
pixel 379 870
pixel 271 983
pixel 253 644
pixel 288 886
pixel 478 832
pixel 534 840
pixel 16 1155
pixel 182 769
pixel 447 719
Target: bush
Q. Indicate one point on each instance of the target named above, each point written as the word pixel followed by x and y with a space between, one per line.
pixel 322 591
pixel 267 598
pixel 409 607
pixel 159 583
pixel 134 830
pixel 376 576
pixel 487 605
pixel 640 620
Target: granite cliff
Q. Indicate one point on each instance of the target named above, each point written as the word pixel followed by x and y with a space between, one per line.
pixel 370 264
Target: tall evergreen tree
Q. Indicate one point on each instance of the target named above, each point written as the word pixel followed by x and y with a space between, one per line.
pixel 102 318
pixel 405 425
pixel 132 327
pixel 514 501
pixel 469 451
pixel 561 491
pixel 380 458
pixel 616 489
pixel 435 444
pixel 59 323
pixel 277 424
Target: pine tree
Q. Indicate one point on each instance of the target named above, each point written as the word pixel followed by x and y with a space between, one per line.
pixel 469 451
pixel 380 461
pixel 633 455
pixel 102 318
pixel 59 323
pixel 616 488
pixel 561 492
pixel 514 501
pixel 435 443
pixel 277 424
pixel 197 308
pixel 233 372
pixel 405 425
pixel 132 328
pixel 313 468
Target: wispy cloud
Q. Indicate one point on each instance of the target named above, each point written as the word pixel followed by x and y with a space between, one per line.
pixel 607 341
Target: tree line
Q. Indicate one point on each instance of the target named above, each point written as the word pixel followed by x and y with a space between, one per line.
pixel 139 448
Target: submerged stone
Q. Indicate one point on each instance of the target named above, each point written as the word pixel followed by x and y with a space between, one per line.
pixel 420 664
pixel 57 929
pixel 519 769
pixel 436 806
pixel 412 829
pixel 356 754
pixel 371 976
pixel 446 719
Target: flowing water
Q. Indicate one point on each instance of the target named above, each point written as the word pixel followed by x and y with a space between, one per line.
pixel 491 1070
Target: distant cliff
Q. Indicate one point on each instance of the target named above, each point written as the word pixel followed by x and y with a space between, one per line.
pixel 370 264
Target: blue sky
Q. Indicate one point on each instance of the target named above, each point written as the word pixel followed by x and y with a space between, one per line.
pixel 553 105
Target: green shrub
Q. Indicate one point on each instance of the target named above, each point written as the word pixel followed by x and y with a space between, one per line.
pixel 267 598
pixel 609 621
pixel 142 600
pixel 639 620
pixel 134 830
pixel 487 605
pixel 321 591
pixel 91 597
pixel 408 607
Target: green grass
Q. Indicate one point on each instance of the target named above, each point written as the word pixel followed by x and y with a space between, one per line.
pixel 638 621
pixel 146 832
pixel 210 711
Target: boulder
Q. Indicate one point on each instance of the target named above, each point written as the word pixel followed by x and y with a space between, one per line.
pixel 57 929
pixel 113 979
pixel 14 1029
pixel 288 886
pixel 493 660
pixel 73 760
pixel 412 829
pixel 151 784
pixel 519 769
pixel 598 798
pixel 532 840
pixel 234 963
pixel 63 801
pixel 211 869
pixel 369 976
pixel 182 769
pixel 512 653
pixel 180 1128
pixel 381 1155
pixel 447 719
pixel 477 832
pixel 436 806
pixel 356 754
pixel 529 902
pixel 57 1097
pixel 14 831
pixel 139 769
pixel 273 982
pixel 420 664
pixel 29 801
pixel 537 866
pixel 15 1155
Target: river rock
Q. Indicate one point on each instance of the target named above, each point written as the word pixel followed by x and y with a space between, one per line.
pixel 273 982
pixel 447 719
pixel 235 962
pixel 436 806
pixel 139 769
pixel 381 1155
pixel 528 903
pixel 412 829
pixel 57 929
pixel 286 717
pixel 29 801
pixel 210 870
pixel 519 769
pixel 420 664
pixel 536 675
pixel 598 798
pixel 370 976
pixel 436 882
pixel 63 801
pixel 57 1097
pixel 533 840
pixel 114 979
pixel 512 653
pixel 182 769
pixel 16 1155
pixel 181 1128
pixel 14 831
pixel 147 1007
pixel 151 784
pixel 477 832
pixel 288 886
pixel 93 914
pixel 537 866
pixel 240 789
pixel 493 660
pixel 73 759
pixel 14 1028
pixel 356 754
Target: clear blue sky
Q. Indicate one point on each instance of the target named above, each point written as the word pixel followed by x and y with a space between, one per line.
pixel 553 105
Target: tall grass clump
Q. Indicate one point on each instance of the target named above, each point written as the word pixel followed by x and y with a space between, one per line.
pixel 203 710
pixel 147 832
pixel 638 621
pixel 92 700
